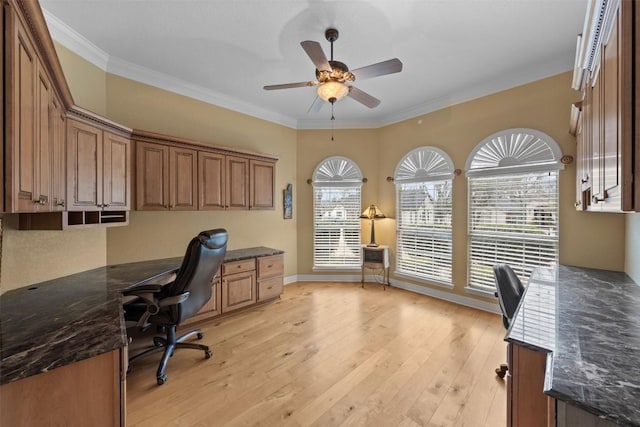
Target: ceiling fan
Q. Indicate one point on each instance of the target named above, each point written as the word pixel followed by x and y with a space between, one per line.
pixel 332 76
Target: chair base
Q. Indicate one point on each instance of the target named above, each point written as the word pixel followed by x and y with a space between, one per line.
pixel 168 345
pixel 501 371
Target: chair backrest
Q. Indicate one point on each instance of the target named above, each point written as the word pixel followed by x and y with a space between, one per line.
pixel 202 260
pixel 509 289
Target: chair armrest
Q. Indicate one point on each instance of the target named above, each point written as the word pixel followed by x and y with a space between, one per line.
pixel 173 300
pixel 153 288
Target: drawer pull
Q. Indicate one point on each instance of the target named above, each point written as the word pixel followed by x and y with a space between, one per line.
pixel 270 266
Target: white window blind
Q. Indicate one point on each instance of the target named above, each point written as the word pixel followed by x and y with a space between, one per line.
pixel 336 240
pixel 513 219
pixel 423 180
pixel 336 214
pixel 424 230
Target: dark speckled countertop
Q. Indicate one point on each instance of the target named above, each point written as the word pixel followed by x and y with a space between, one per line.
pixel 589 322
pixel 61 321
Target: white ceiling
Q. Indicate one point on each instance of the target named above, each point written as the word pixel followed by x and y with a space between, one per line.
pixel 225 51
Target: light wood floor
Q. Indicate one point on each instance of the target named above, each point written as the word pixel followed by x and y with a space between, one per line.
pixel 333 354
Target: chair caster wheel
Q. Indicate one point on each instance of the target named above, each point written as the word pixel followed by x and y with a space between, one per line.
pixel 208 354
pixel 161 379
pixel 200 335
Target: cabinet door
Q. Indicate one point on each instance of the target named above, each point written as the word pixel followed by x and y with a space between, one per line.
pixel 238 290
pixel 43 140
pixel 237 183
pixel 21 148
pixel 152 176
pixel 211 170
pixel 183 183
pixel 527 405
pixel 58 154
pixel 84 166
pixel 116 180
pixel 596 144
pixel 262 182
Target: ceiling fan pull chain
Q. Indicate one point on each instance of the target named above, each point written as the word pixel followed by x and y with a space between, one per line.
pixel 333 119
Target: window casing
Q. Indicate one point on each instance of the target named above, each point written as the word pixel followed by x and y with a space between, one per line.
pixel 423 204
pixel 513 205
pixel 337 184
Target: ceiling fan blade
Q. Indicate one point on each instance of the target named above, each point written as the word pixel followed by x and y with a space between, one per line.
pixel 316 54
pixel 316 105
pixel 290 85
pixel 363 97
pixel 380 69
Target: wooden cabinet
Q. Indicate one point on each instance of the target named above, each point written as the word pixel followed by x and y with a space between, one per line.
pixel 211 181
pixel 90 392
pixel 177 174
pixel 99 169
pixel 606 145
pixel 31 128
pixel 152 176
pixel 270 277
pixel 237 183
pixel 527 405
pixel 238 284
pixel 165 177
pixel 58 157
pixel 262 185
pixel 213 307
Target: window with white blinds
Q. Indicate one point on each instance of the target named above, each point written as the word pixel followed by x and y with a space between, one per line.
pixel 336 214
pixel 423 204
pixel 513 205
pixel 513 219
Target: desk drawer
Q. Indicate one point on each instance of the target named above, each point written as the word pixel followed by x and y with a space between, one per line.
pixel 270 266
pixel 238 266
pixel 270 288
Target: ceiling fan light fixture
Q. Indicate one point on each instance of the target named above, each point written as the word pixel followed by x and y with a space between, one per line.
pixel 332 91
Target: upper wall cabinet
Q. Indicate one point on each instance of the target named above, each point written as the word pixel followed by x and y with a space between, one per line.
pixel 178 174
pixel 605 123
pixel 35 97
pixel 99 168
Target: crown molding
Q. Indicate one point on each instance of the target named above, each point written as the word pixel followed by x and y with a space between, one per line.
pixel 75 42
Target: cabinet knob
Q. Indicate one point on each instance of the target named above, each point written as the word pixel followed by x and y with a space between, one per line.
pixel 597 199
pixel 60 203
pixel 584 180
pixel 105 205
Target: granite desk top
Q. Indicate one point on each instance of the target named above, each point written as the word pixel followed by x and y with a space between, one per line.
pixel 65 320
pixel 589 322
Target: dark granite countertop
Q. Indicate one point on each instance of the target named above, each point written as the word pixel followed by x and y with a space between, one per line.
pixel 61 321
pixel 589 322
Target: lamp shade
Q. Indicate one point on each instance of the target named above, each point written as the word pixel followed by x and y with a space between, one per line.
pixel 332 91
pixel 372 212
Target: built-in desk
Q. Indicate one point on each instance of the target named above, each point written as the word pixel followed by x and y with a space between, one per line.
pixel 71 322
pixel 586 323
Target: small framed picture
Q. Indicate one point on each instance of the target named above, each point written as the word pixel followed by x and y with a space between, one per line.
pixel 287 201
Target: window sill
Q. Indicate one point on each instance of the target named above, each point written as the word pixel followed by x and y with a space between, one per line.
pixel 473 291
pixel 320 269
pixel 446 285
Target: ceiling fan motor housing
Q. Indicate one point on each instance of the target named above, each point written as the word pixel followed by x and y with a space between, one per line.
pixel 339 72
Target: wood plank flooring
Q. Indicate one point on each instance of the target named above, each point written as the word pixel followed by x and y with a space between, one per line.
pixel 333 354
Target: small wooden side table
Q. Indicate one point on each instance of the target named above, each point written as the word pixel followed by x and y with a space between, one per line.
pixel 376 257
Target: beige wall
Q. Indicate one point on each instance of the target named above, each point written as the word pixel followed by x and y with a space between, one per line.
pixel 542 105
pixel 163 234
pixel 88 83
pixel 33 256
pixel 632 251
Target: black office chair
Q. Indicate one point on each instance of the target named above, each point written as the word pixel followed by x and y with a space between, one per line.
pixel 509 291
pixel 168 305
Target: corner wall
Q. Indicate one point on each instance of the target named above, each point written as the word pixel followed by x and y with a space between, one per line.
pixel 632 250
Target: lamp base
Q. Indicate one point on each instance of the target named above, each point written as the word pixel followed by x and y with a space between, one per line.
pixel 373 245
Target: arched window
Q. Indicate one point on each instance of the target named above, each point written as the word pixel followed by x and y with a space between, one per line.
pixel 423 181
pixel 513 204
pixel 337 184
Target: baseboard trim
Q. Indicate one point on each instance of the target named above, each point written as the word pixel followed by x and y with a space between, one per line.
pixel 422 290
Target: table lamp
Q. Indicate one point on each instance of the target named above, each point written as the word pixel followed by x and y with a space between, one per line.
pixel 372 213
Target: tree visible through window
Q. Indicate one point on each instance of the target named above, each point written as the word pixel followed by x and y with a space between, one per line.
pixel 337 183
pixel 513 204
pixel 423 199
